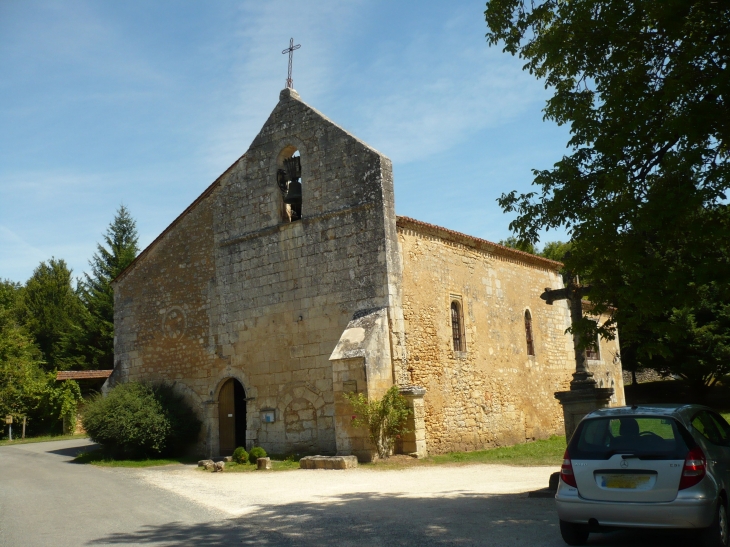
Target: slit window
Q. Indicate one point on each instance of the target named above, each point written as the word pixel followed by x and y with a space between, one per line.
pixel 457 331
pixel 528 333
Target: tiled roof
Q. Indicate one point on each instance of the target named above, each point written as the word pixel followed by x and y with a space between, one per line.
pixel 82 374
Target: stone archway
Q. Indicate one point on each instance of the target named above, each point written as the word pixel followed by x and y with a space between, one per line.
pixel 302 409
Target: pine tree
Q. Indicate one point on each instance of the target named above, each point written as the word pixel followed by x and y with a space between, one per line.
pixel 111 258
pixel 50 310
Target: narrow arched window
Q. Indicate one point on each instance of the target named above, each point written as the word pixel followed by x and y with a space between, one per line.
pixel 456 330
pixel 593 352
pixel 528 333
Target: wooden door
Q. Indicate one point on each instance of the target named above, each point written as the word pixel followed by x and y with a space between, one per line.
pixel 227 419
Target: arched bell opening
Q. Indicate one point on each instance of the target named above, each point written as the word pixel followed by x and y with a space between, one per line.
pixel 289 180
pixel 231 416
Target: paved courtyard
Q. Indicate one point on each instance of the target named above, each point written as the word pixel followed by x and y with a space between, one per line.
pixel 45 500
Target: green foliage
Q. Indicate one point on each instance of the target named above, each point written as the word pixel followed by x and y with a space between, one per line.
pixel 555 250
pixel 385 419
pixel 139 420
pixel 22 380
pixel 698 341
pixel 26 390
pixel 513 243
pixel 96 337
pixel 256 453
pixel 9 294
pixel 240 455
pixel 50 309
pixel 643 189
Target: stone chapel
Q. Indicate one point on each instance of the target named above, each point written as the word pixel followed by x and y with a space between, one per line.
pixel 291 281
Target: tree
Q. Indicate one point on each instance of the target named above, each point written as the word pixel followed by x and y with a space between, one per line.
pixel 96 339
pixel 643 189
pixel 698 341
pixel 385 418
pixel 50 309
pixel 26 390
pixel 9 294
pixel 555 250
pixel 21 375
pixel 513 243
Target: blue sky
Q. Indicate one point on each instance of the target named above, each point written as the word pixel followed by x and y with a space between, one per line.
pixel 146 103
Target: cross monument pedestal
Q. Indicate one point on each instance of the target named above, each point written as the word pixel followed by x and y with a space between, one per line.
pixel 584 396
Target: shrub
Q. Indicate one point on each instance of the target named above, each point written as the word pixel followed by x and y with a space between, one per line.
pixel 240 455
pixel 385 419
pixel 138 420
pixel 256 453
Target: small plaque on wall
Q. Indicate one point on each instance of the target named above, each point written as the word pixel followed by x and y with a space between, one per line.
pixel 350 386
pixel 268 415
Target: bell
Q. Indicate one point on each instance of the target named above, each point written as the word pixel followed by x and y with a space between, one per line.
pixel 294 193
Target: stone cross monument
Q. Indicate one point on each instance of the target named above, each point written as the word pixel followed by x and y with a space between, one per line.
pixel 584 396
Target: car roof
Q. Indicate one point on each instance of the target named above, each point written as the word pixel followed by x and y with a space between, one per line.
pixel 646 410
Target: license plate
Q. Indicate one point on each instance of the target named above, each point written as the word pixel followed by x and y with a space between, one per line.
pixel 625 481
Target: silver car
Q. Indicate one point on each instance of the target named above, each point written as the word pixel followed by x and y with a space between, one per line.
pixel 653 466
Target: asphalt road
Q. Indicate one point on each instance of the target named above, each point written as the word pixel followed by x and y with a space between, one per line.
pixel 47 501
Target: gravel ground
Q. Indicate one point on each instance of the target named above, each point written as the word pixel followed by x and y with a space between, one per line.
pixel 227 491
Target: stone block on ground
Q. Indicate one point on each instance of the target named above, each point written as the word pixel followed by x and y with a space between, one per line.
pixel 228 459
pixel 209 466
pixel 218 467
pixel 263 463
pixel 328 462
pixel 203 463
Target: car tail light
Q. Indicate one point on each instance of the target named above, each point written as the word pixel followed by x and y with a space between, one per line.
pixel 566 471
pixel 695 468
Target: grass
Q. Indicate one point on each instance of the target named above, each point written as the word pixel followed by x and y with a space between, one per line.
pixel 41 439
pixel 543 452
pixel 102 459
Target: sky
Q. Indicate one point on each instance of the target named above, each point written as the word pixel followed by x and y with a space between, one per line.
pixel 146 103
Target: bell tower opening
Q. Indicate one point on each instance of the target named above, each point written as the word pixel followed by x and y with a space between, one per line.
pixel 289 180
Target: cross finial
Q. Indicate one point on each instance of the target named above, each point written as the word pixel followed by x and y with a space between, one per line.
pixel 290 51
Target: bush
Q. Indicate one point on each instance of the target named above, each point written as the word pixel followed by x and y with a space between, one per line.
pixel 256 453
pixel 240 455
pixel 140 420
pixel 385 419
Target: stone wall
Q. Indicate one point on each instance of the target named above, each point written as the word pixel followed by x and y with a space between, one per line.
pixel 233 289
pixel 492 393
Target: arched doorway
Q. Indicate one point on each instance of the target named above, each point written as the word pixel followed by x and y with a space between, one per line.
pixel 231 416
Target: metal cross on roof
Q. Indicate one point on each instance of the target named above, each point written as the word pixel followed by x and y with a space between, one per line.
pixel 290 51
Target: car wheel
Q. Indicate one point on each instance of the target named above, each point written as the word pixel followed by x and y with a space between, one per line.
pixel 574 534
pixel 717 535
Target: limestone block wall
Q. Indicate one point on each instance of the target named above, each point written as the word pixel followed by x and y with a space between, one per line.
pixel 163 325
pixel 492 393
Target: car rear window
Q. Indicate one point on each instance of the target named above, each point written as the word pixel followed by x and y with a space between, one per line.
pixel 647 437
